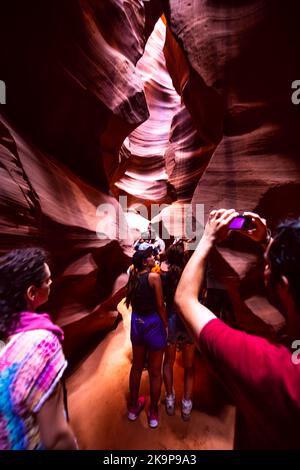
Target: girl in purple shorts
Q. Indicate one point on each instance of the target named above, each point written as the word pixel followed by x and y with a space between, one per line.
pixel 148 333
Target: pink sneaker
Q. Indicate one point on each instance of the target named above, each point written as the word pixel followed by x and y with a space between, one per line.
pixel 133 412
pixel 152 419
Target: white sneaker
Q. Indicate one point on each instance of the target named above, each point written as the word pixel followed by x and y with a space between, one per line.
pixel 186 409
pixel 170 404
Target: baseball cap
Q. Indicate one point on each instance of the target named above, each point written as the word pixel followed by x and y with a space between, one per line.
pixel 140 255
pixel 144 246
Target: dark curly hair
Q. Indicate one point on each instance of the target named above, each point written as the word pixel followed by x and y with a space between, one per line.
pixel 18 270
pixel 138 265
pixel 284 257
pixel 176 260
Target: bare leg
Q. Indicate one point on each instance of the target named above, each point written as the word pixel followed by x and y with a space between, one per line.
pixel 188 353
pixel 155 378
pixel 169 360
pixel 138 360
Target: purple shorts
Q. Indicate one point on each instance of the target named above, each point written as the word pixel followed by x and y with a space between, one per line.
pixel 148 331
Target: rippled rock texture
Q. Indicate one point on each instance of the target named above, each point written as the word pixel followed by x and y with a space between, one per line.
pixel 73 95
pixel 203 114
pixel 248 54
pixel 44 203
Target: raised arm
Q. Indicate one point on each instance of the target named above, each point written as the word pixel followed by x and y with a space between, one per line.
pixel 194 314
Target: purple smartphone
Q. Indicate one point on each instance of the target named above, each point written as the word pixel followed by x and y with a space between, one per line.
pixel 241 222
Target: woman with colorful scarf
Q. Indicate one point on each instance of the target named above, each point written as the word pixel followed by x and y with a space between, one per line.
pixel 31 358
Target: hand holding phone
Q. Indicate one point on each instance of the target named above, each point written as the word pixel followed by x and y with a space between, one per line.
pixel 252 225
pixel 216 228
pixel 221 221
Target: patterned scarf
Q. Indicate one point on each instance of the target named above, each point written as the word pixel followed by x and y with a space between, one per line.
pixel 29 321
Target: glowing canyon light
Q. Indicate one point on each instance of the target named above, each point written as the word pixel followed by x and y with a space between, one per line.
pixel 181 221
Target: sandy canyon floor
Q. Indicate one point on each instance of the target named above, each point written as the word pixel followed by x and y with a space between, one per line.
pixel 98 393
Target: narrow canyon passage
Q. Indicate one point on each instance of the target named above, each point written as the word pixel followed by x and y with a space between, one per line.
pixel 127 121
pixel 97 394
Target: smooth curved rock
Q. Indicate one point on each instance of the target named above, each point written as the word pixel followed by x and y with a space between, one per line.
pixel 248 55
pixel 222 130
pixel 144 149
pixel 44 203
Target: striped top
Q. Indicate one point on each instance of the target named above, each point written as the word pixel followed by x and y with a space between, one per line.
pixel 31 366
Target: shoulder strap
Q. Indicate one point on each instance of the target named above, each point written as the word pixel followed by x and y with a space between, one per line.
pixel 65 397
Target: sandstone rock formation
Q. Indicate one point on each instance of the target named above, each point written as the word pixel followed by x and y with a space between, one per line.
pixel 222 131
pixel 73 95
pixel 247 54
pixel 44 203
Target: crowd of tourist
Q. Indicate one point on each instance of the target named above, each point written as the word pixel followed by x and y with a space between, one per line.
pixel 167 315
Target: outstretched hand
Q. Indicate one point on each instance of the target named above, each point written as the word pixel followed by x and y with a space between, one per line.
pixel 216 229
pixel 260 232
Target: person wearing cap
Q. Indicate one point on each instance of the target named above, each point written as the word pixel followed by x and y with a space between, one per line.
pixel 144 246
pixel 148 332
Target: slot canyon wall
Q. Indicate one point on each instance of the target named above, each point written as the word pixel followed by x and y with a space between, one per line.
pixel 200 113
